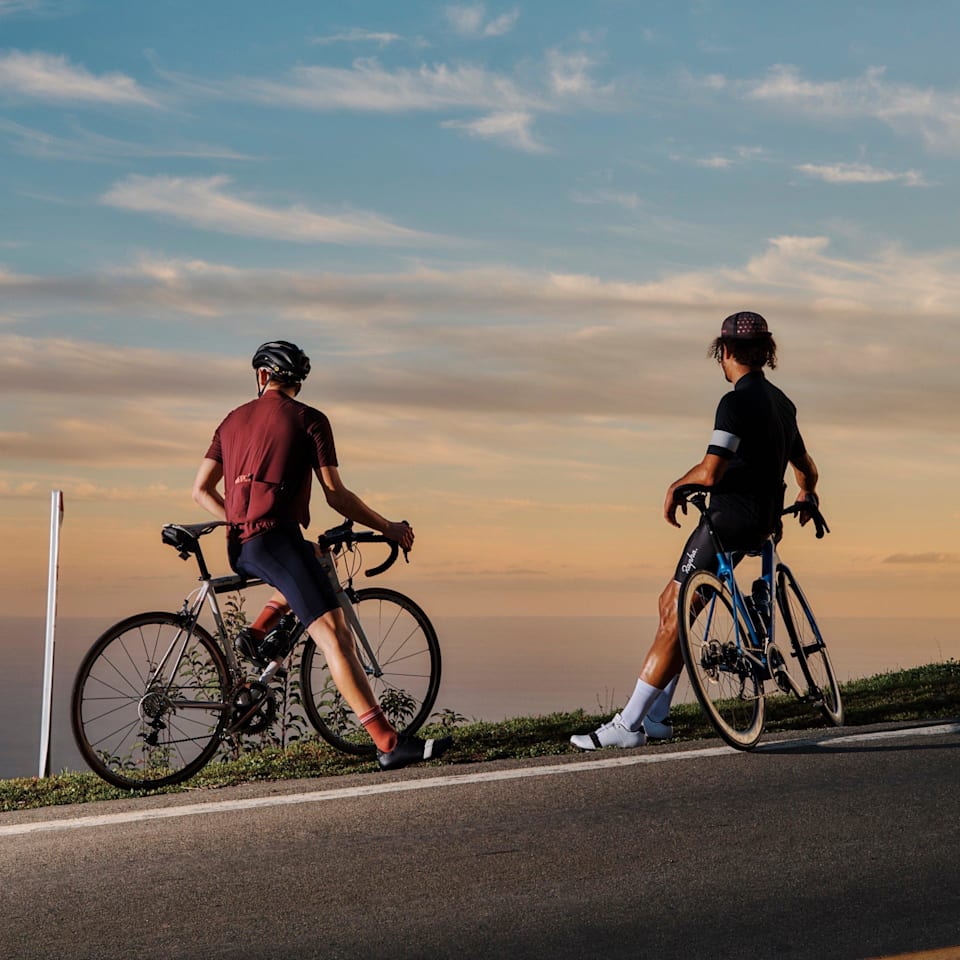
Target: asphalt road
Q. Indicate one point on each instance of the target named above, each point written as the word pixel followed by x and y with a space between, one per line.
pixel 829 847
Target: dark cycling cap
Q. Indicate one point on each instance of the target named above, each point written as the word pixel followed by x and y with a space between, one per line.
pixel 286 362
pixel 744 326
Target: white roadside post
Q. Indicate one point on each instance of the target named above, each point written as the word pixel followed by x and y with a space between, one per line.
pixel 56 521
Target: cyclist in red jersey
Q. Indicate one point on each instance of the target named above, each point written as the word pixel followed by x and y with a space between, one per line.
pixel 755 438
pixel 266 452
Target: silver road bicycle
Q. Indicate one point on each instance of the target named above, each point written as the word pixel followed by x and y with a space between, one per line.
pixel 158 693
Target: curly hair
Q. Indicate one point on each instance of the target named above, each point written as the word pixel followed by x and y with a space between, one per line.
pixel 759 352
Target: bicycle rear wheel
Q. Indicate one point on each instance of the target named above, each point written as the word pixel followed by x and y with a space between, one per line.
pixel 408 654
pixel 724 680
pixel 138 728
pixel 808 647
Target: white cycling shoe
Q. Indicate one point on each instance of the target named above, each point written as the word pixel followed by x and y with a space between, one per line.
pixel 612 734
pixel 657 729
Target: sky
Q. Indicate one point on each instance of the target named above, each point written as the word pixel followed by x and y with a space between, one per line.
pixel 505 233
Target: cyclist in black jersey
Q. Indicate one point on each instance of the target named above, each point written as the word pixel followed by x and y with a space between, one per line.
pixel 755 438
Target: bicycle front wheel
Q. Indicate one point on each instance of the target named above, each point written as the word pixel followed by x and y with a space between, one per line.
pixel 148 706
pixel 404 672
pixel 712 636
pixel 808 647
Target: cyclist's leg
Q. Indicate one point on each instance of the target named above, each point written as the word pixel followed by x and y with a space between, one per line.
pixel 286 561
pixel 332 635
pixel 663 660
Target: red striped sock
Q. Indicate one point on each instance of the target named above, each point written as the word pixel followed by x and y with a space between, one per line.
pixel 272 611
pixel 380 729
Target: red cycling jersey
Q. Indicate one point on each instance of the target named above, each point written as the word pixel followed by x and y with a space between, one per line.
pixel 269 448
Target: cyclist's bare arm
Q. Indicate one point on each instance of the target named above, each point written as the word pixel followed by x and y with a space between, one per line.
pixel 807 476
pixel 349 505
pixel 706 473
pixel 205 491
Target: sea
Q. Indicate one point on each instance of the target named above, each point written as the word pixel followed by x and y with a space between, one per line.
pixel 493 668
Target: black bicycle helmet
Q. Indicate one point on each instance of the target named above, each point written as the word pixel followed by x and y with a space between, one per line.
pixel 285 361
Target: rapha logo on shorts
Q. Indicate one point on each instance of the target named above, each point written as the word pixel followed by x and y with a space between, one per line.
pixel 691 559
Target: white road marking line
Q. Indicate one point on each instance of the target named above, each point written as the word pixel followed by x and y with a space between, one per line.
pixel 431 783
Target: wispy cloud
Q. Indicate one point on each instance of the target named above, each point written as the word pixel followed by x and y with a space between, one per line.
pixel 367 86
pixel 358 35
pixel 924 559
pixel 208 203
pixel 571 77
pixel 486 104
pixel 928 113
pixel 52 78
pixel 90 146
pixel 840 321
pixel 471 20
pixel 860 173
pixel 617 198
pixel 10 7
pixel 512 129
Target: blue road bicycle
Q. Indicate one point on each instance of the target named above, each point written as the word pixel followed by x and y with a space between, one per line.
pixel 728 636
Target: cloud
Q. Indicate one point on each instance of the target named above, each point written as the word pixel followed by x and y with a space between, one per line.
pixel 206 203
pixel 511 342
pixel 9 8
pixel 924 559
pixel 715 162
pixel 512 129
pixel 564 82
pixel 626 201
pixel 860 173
pixel 52 78
pixel 85 145
pixel 570 77
pixel 359 35
pixel 367 86
pixel 471 20
pixel 930 114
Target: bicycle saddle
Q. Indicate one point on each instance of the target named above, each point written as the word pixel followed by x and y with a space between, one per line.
pixel 184 537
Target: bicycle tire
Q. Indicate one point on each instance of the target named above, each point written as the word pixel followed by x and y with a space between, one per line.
pixel 808 646
pixel 129 730
pixel 725 681
pixel 408 651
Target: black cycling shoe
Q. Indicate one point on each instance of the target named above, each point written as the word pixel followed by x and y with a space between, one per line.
pixel 246 644
pixel 413 750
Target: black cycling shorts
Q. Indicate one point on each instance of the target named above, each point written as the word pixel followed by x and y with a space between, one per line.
pixel 739 533
pixel 283 559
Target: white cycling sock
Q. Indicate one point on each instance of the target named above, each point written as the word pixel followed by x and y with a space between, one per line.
pixel 639 703
pixel 660 708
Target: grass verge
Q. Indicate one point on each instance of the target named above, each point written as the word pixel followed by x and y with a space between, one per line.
pixel 922 693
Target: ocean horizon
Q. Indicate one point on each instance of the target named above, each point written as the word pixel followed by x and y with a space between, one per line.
pixel 493 668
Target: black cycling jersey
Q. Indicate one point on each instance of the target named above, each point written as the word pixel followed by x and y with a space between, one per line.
pixel 756 431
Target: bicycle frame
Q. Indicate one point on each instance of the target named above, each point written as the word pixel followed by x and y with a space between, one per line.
pixel 756 649
pixel 206 595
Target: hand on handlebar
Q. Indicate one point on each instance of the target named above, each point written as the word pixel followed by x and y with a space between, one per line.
pixel 670 505
pixel 805 516
pixel 401 534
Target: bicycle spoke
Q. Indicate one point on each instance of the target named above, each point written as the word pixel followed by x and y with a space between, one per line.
pixel 405 682
pixel 133 727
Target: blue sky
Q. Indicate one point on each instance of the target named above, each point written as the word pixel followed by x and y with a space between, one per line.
pixel 505 234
